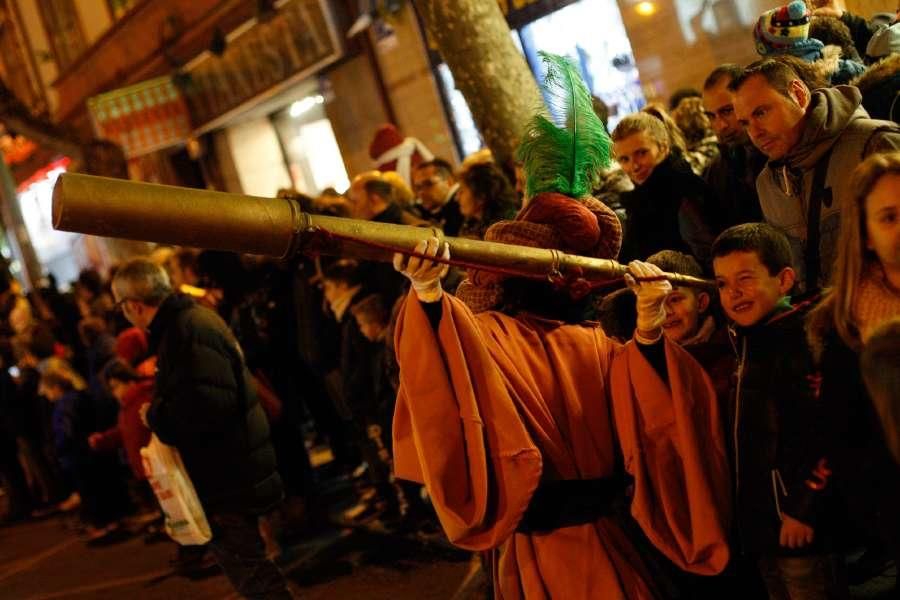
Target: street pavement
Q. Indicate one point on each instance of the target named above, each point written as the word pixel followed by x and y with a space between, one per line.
pixel 45 560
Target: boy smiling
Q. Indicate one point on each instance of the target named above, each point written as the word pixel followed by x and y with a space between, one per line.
pixel 777 447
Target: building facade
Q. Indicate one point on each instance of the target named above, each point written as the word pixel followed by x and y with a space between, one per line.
pixel 252 97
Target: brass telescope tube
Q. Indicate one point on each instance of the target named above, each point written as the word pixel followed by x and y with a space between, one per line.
pixel 277 227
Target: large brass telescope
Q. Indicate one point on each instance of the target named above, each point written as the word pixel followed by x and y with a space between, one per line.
pixel 277 227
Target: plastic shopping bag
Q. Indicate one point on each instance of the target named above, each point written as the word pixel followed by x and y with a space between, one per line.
pixel 185 520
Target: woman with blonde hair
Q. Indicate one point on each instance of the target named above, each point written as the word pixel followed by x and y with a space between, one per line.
pixel 865 293
pixel 669 205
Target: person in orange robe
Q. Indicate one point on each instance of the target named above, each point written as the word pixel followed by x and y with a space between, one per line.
pixel 519 425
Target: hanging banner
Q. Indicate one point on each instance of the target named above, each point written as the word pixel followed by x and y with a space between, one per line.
pixel 141 118
pixel 259 61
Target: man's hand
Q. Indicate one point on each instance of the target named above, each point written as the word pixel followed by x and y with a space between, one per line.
pixel 424 274
pixel 795 534
pixel 94 440
pixel 828 8
pixel 651 298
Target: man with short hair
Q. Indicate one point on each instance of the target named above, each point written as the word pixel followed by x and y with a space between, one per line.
pixel 436 188
pixel 370 198
pixel 205 405
pixel 732 174
pixel 813 140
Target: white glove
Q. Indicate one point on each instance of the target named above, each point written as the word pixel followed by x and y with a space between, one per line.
pixel 425 275
pixel 651 299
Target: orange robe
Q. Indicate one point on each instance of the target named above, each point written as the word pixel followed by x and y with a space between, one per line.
pixel 491 405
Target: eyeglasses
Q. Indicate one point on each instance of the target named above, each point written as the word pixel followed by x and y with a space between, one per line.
pixel 118 305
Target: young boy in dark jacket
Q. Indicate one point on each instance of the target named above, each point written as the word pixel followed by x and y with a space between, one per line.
pixel 780 475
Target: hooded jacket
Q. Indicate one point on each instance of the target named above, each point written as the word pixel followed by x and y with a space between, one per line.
pixel 839 130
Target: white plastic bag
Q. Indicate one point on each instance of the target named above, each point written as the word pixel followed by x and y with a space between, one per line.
pixel 185 520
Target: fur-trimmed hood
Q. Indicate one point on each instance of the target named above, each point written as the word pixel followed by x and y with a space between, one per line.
pixel 878 73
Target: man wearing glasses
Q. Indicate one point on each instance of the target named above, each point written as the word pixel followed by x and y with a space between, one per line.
pixel 205 405
pixel 436 188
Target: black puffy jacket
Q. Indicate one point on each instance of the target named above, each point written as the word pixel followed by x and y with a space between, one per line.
pixel 206 407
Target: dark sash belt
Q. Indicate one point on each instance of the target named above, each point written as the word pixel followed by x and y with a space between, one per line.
pixel 568 502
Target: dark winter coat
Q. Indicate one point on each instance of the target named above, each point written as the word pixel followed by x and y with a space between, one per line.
pixel 667 212
pixel 732 177
pixel 880 87
pixel 378 277
pixel 448 217
pixel 206 406
pixel 860 30
pixel 865 476
pixel 357 355
pixel 776 435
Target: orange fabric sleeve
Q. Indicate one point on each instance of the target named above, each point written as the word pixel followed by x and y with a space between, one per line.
pixel 674 447
pixel 480 479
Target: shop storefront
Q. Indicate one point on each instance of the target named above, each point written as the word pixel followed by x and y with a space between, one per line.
pixel 246 115
pixel 261 101
pixel 62 254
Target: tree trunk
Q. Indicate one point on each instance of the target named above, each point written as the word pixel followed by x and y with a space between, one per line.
pixel 475 42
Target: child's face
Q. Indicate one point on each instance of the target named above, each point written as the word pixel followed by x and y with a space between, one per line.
pixel 684 310
pixel 883 222
pixel 747 290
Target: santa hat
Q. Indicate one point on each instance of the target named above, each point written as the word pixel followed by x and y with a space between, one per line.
pixel 390 151
pixel 785 30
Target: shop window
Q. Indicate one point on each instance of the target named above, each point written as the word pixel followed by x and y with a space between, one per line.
pixel 56 250
pixel 466 130
pixel 64 30
pixel 700 19
pixel 606 62
pixel 310 148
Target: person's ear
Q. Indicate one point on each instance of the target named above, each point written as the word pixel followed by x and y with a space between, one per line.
pixel 703 301
pixel 786 279
pixel 799 92
pixel 663 148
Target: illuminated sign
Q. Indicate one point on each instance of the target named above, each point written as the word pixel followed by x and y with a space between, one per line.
pixel 141 118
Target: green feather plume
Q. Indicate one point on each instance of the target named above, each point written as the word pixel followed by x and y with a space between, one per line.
pixel 563 151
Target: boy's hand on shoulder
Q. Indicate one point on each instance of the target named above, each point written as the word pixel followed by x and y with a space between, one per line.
pixel 794 533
